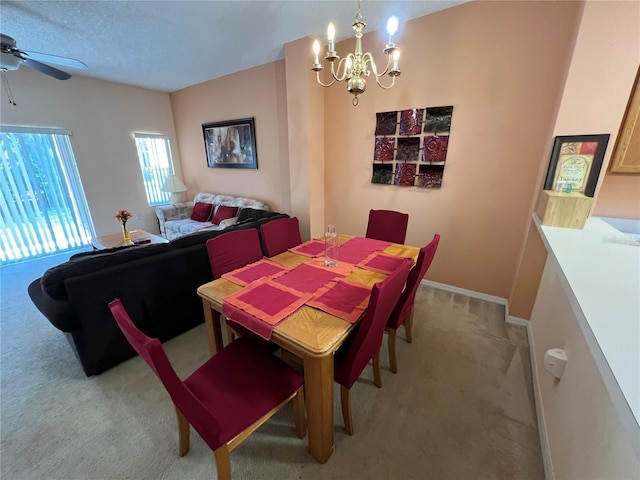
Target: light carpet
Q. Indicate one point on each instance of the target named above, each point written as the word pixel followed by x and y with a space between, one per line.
pixel 460 407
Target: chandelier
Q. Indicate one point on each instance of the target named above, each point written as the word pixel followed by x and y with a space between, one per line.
pixel 357 65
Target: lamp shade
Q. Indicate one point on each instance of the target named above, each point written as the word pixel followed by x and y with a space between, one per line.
pixel 173 185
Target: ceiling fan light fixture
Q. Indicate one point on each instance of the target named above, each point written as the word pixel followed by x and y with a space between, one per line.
pixel 9 61
pixel 12 58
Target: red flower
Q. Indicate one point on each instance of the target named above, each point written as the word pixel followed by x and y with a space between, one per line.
pixel 123 215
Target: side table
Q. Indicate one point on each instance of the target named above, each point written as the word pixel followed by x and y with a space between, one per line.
pixel 138 237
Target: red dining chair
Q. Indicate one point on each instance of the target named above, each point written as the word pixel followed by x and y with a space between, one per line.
pixel 280 235
pixel 228 397
pixel 403 311
pixel 352 358
pixel 233 250
pixel 387 225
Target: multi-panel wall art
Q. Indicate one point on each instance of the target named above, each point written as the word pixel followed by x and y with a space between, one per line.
pixel 411 147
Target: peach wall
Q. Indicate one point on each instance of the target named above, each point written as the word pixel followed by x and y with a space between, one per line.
pixel 619 197
pixel 502 74
pixel 259 92
pixel 525 287
pixel 103 117
pixel 603 68
pixel 305 117
pixel 618 51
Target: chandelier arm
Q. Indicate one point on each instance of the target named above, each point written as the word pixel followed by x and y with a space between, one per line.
pixel 393 81
pixel 324 84
pixel 368 58
pixel 341 65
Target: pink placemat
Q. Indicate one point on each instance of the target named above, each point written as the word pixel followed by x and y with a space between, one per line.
pixel 342 298
pixel 381 262
pixel 254 271
pixel 306 278
pixel 370 244
pixel 248 321
pixel 263 304
pixel 343 268
pixel 357 249
pixel 312 248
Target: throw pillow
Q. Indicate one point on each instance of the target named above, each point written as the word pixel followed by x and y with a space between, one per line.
pixel 201 212
pixel 223 212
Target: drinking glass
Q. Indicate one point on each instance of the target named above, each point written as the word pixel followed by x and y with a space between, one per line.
pixel 331 247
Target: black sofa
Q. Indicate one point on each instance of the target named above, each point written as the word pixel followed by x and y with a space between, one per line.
pixel 156 283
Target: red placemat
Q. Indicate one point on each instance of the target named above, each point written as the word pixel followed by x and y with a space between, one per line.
pixel 343 268
pixel 370 244
pixel 306 278
pixel 381 262
pixel 261 305
pixel 254 271
pixel 357 249
pixel 312 248
pixel 342 298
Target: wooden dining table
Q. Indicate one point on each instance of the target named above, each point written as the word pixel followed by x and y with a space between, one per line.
pixel 310 334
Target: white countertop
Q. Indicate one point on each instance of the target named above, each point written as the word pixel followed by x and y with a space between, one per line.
pixel 602 279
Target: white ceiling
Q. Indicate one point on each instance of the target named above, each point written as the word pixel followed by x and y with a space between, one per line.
pixel 169 45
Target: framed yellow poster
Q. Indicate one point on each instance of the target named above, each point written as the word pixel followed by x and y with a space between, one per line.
pixel 575 163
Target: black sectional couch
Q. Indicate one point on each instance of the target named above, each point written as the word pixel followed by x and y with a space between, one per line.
pixel 156 283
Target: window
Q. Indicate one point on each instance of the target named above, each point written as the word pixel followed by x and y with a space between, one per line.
pixel 154 153
pixel 42 204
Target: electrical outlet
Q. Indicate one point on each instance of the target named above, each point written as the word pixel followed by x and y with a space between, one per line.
pixel 137 216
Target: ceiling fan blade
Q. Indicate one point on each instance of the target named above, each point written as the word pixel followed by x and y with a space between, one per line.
pixel 46 69
pixel 56 60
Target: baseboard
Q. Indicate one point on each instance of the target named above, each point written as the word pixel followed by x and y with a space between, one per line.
pixel 464 291
pixel 542 426
pixel 520 322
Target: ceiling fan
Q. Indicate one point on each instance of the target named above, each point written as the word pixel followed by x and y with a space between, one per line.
pixel 11 57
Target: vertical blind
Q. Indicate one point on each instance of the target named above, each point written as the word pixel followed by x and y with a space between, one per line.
pixel 154 153
pixel 43 208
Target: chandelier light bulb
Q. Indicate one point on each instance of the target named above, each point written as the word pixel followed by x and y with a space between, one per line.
pixel 316 51
pixel 331 35
pixel 392 27
pixel 396 56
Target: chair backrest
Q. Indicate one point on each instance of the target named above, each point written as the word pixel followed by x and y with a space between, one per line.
pixel 408 296
pixel 150 349
pixel 387 225
pixel 280 235
pixel 233 250
pixel 367 340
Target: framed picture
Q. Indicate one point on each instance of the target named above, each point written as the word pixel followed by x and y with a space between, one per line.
pixel 230 144
pixel 576 161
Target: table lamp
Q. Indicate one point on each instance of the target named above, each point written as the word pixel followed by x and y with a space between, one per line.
pixel 174 186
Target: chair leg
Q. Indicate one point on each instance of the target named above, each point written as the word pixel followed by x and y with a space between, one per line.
pixel 393 364
pixel 345 398
pixel 183 433
pixel 231 336
pixel 377 376
pixel 407 326
pixel 298 413
pixel 223 462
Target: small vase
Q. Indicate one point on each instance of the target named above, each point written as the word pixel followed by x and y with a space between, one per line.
pixel 125 234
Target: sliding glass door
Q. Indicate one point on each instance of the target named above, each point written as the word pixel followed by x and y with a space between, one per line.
pixel 43 208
